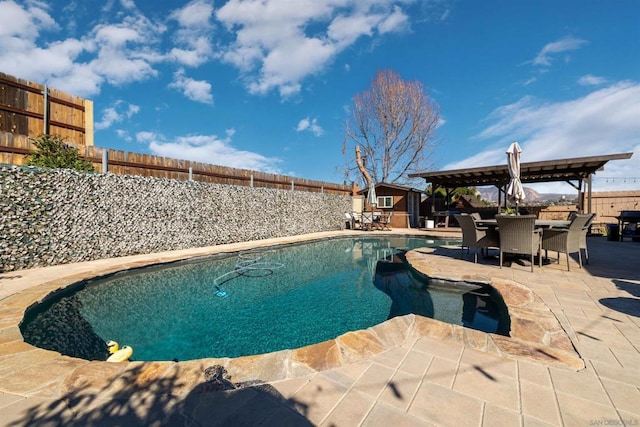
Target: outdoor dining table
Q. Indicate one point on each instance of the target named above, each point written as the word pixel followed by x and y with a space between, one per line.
pixel 540 223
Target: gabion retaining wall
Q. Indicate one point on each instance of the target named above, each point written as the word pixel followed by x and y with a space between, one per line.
pixel 51 217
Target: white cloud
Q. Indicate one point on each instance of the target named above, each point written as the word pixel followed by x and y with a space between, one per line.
pixel 347 29
pixel 591 80
pixel 124 49
pixel 20 27
pixel 115 35
pixel 279 43
pixel 275 44
pixel 195 90
pixel 566 44
pixel 109 117
pixel 310 125
pixel 195 14
pixel 193 40
pixel 209 149
pixel 146 137
pixel 116 52
pixel 128 4
pixel 24 22
pixel 603 122
pixel 116 113
pixel 396 21
pixel 124 135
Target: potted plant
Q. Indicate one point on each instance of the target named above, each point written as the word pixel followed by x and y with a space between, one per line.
pixel 510 211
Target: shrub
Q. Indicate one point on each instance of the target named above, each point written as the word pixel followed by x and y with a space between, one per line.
pixel 53 152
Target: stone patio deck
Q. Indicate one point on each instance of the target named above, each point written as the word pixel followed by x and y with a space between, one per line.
pixel 573 357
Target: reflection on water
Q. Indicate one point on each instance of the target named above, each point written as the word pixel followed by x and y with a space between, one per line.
pixel 473 305
pixel 61 327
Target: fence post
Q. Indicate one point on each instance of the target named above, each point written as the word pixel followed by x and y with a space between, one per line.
pixel 291 185
pixel 190 173
pixel 322 189
pixel 105 156
pixel 45 111
pixel 251 182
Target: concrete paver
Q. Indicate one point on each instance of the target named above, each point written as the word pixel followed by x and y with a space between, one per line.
pixel 445 407
pixel 400 390
pixel 351 410
pixel 540 402
pixel 535 374
pixel 383 415
pixel 442 372
pixel 429 377
pixel 498 416
pixel 478 382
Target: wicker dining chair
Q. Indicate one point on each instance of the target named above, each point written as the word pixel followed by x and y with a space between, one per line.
pixel 583 237
pixel 518 235
pixel 476 237
pixel 566 240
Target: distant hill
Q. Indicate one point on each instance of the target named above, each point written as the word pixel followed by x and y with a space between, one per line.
pixel 531 195
pixel 491 195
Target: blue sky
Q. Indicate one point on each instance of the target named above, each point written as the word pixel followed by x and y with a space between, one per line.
pixel 266 85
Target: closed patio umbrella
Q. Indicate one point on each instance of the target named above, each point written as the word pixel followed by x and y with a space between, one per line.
pixel 372 199
pixel 515 192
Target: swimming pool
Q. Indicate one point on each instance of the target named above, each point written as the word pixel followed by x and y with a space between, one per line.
pixel 296 295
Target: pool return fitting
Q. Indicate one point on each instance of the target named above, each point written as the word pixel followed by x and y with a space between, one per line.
pixel 248 262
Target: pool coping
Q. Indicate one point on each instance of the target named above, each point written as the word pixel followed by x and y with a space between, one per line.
pixel 536 335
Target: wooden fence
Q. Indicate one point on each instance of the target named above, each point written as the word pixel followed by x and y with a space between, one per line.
pixel 30 109
pixel 608 204
pixel 14 150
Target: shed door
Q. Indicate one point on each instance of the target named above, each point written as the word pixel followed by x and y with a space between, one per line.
pixel 413 208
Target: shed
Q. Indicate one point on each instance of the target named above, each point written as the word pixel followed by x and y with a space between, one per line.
pixel 403 201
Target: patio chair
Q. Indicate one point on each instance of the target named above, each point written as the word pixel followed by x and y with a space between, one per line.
pixel 367 220
pixel 476 237
pixel 583 237
pixel 348 220
pixel 353 219
pixel 385 219
pixel 566 240
pixel 518 235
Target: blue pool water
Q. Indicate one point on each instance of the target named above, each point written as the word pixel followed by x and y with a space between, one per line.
pixel 288 297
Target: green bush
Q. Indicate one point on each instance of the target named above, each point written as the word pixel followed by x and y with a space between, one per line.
pixel 53 152
pixel 509 211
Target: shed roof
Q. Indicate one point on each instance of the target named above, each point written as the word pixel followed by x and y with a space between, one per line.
pixel 576 168
pixel 394 186
pixel 469 200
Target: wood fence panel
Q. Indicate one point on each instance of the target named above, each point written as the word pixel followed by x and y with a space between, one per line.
pixel 14 148
pixel 22 111
pixel 10 121
pixel 35 104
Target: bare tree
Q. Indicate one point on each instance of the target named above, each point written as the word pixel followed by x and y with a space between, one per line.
pixel 393 123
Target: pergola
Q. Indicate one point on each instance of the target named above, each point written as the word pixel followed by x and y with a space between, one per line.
pixel 576 171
